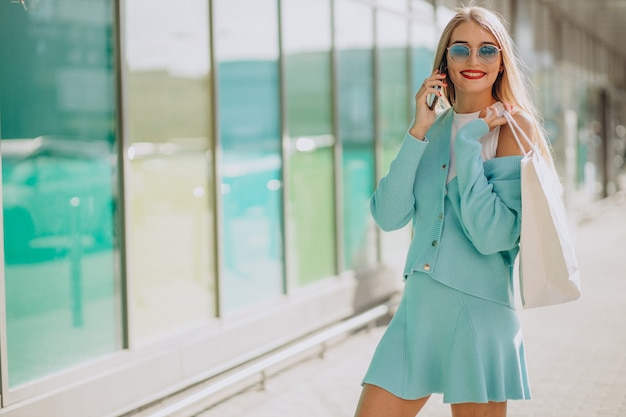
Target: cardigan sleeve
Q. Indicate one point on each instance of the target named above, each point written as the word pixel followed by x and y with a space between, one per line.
pixel 490 193
pixel 393 203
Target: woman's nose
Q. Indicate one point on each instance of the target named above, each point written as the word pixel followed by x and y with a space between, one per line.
pixel 473 57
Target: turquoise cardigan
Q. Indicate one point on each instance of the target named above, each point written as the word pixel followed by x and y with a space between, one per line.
pixel 466 232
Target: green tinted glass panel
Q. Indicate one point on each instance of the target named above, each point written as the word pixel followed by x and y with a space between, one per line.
pixel 393 107
pixel 311 203
pixel 423 44
pixel 393 84
pixel 312 210
pixel 355 39
pixel 59 186
pixel 169 178
pixel 308 83
pixel 251 164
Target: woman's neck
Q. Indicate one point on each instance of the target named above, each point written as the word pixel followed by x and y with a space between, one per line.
pixel 472 103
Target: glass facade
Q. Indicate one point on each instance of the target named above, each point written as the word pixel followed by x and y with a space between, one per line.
pixel 180 179
pixel 423 34
pixel 394 97
pixel 250 159
pixel 354 34
pixel 310 216
pixel 169 178
pixel 59 187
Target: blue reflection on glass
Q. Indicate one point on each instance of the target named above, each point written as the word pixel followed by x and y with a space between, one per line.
pixel 251 172
pixel 57 96
pixel 356 108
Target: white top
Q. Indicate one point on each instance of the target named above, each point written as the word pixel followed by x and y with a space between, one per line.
pixel 489 141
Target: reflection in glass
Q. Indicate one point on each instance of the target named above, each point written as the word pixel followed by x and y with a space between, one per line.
pixel 354 39
pixel 394 97
pixel 169 218
pixel 311 212
pixel 251 163
pixel 393 83
pixel 59 186
pixel 423 43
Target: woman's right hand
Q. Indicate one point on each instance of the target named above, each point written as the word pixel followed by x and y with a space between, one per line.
pixel 425 117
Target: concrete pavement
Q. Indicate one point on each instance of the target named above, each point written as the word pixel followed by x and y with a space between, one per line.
pixel 576 352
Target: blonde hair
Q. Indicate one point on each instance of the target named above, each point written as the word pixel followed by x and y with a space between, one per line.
pixel 512 84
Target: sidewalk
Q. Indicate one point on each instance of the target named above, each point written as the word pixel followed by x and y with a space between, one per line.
pixel 576 352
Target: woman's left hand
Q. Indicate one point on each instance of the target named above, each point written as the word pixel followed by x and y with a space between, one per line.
pixel 492 115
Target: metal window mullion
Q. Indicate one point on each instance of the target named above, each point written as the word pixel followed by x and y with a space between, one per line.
pixel 337 147
pixel 378 143
pixel 409 64
pixel 215 168
pixel 288 279
pixel 123 167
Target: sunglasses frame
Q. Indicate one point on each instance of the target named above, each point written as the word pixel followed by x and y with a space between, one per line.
pixel 480 57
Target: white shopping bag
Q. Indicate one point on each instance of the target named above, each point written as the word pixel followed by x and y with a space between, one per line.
pixel 548 266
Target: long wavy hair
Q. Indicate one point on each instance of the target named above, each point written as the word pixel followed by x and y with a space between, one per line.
pixel 512 85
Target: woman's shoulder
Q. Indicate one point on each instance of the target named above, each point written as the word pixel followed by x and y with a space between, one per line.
pixel 524 120
pixel 507 144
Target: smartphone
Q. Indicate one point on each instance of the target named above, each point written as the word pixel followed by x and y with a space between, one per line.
pixel 432 99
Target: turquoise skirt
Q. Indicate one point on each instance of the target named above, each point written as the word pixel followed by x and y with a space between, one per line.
pixel 444 341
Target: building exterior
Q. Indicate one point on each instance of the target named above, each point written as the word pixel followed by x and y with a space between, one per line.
pixel 186 184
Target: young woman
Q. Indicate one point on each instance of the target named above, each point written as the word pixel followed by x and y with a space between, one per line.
pixel 457 178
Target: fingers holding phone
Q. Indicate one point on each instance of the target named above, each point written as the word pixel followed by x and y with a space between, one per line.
pixel 431 90
pixel 425 100
pixel 431 99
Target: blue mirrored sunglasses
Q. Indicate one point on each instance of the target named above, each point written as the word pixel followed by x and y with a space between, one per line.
pixel 460 53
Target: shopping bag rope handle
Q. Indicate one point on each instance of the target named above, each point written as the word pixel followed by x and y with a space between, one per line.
pixel 533 147
pixel 515 127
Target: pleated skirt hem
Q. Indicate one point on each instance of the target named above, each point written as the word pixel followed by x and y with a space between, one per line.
pixel 444 341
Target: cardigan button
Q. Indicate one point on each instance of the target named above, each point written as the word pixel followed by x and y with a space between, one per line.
pixel 435 243
pixel 444 166
pixel 426 267
pixel 440 216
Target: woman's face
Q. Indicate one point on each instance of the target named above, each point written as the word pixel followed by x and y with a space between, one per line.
pixel 473 76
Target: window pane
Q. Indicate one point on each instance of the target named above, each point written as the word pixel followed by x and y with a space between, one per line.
pixel 355 39
pixel 311 209
pixel 59 189
pixel 399 6
pixel 251 163
pixel 394 89
pixel 170 210
pixel 423 43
